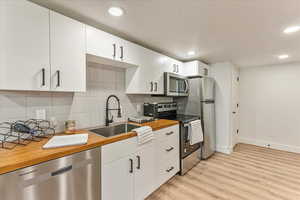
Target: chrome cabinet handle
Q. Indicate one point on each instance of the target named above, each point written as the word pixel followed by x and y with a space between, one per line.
pixel 114 52
pixel 151 86
pixel 177 68
pixel 139 162
pixel 155 86
pixel 170 149
pixel 61 171
pixel 170 133
pixel 131 166
pixel 169 170
pixel 122 52
pixel 43 77
pixel 58 78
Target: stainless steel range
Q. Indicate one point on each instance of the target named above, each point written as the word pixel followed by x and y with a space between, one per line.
pixel 190 155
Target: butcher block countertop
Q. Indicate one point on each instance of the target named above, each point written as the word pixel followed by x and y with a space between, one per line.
pixel 33 153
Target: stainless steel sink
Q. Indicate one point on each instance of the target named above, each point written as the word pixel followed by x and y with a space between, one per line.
pixel 114 130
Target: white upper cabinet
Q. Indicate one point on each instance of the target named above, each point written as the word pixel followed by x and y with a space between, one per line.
pixel 129 52
pixel 68 58
pixel 174 66
pixel 100 43
pixel 27 41
pixel 148 77
pixel 108 46
pixel 195 68
pixel 24 49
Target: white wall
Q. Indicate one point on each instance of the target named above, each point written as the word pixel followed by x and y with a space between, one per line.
pixel 270 106
pixel 86 108
pixel 222 73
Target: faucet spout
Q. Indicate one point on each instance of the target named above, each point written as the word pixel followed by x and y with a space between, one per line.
pixel 107 109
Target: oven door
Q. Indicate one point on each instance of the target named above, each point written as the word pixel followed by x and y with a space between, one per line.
pixel 176 85
pixel 186 148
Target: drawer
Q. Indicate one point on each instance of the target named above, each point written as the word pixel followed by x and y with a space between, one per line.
pixel 117 150
pixel 168 149
pixel 168 133
pixel 167 170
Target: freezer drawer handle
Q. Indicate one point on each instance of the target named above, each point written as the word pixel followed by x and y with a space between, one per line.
pixel 61 171
pixel 170 149
pixel 170 133
pixel 168 170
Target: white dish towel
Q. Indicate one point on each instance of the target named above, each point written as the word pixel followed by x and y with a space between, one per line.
pixel 144 134
pixel 66 140
pixel 195 132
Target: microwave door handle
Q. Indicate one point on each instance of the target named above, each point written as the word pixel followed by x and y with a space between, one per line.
pixel 187 87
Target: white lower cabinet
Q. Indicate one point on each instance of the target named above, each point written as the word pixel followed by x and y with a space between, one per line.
pixel 145 172
pixel 117 180
pixel 133 172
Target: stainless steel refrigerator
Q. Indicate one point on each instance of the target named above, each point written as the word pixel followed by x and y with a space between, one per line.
pixel 201 102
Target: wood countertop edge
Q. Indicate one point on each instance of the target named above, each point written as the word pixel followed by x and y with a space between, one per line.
pixel 66 151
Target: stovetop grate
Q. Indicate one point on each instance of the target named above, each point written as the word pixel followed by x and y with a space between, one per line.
pixel 10 137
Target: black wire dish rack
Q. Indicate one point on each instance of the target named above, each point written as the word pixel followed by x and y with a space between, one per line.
pixel 10 137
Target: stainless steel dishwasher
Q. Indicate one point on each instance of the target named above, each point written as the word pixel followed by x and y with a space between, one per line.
pixel 74 177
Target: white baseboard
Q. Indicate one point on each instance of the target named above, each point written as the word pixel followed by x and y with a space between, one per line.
pixel 283 147
pixel 223 149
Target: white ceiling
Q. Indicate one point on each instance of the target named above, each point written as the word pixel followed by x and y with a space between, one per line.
pixel 245 32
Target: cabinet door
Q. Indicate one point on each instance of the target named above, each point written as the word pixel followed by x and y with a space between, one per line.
pixel 102 44
pixel 68 59
pixel 129 52
pixel 118 179
pixel 145 172
pixel 24 49
pixel 140 80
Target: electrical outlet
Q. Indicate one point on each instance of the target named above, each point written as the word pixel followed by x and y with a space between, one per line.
pixel 40 114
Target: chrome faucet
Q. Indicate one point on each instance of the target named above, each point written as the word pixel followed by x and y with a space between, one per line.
pixel 107 109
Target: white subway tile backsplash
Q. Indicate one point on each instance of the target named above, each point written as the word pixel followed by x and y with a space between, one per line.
pixel 88 109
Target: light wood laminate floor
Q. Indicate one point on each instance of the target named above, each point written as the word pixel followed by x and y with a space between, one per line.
pixel 249 173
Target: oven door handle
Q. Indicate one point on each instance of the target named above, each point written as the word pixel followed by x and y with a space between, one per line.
pixel 187 125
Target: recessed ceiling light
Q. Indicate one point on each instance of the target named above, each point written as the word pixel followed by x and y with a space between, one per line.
pixel 191 53
pixel 116 11
pixel 291 29
pixel 284 56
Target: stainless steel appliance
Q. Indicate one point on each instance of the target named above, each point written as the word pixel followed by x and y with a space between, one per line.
pixel 74 177
pixel 189 154
pixel 201 102
pixel 176 85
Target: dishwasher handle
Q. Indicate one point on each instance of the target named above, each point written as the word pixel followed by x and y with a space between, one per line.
pixel 62 170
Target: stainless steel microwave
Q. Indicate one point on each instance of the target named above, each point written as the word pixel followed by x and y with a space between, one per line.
pixel 176 85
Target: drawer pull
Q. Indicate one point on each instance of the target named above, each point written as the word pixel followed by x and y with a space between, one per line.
pixel 170 133
pixel 169 170
pixel 170 149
